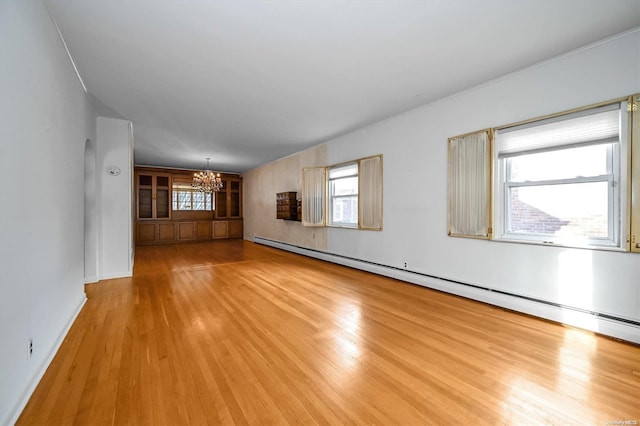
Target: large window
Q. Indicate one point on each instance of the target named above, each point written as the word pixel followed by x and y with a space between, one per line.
pixel 558 181
pixel 186 198
pixel 343 195
pixel 346 195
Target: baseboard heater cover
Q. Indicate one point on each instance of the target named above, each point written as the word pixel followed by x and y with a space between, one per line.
pixel 609 325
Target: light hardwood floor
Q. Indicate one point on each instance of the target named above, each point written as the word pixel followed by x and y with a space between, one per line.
pixel 228 332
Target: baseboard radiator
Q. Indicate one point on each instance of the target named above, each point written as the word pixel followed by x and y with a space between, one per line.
pixel 602 323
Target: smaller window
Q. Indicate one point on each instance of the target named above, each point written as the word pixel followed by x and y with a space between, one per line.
pixel 186 198
pixel 343 195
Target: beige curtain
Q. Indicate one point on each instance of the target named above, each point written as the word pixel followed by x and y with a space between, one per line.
pixel 370 193
pixel 469 180
pixel 314 193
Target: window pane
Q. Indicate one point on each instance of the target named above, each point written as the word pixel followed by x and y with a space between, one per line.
pixel 343 190
pixel 198 201
pixel 184 201
pixel 344 186
pixel 345 210
pixel 561 164
pixel 578 210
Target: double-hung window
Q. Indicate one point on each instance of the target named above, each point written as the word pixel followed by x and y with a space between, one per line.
pixel 347 195
pixel 343 195
pixel 558 180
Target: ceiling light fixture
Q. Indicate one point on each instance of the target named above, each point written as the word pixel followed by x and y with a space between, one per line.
pixel 207 181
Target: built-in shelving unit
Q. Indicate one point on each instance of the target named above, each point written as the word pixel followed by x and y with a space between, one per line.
pixel 158 223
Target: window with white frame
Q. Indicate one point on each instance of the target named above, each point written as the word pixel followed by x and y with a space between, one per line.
pixel 186 198
pixel 559 180
pixel 343 195
pixel 347 195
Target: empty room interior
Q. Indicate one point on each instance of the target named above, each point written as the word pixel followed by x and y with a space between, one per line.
pixel 319 212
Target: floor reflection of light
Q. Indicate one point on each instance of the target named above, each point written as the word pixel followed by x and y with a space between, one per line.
pixel 527 402
pixel 197 323
pixel 347 350
pixel 349 318
pixel 521 402
pixel 347 335
pixel 531 402
pixel 574 361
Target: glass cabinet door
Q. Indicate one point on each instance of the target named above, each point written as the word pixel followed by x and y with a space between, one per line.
pixel 234 199
pixel 163 200
pixel 221 200
pixel 145 196
pixel 154 196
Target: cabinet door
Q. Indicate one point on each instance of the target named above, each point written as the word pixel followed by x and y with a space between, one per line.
pixel 204 230
pixel 221 201
pixel 220 229
pixel 166 231
pixel 186 231
pixel 163 200
pixel 235 198
pixel 145 196
pixel 146 232
pixel 154 196
pixel 235 229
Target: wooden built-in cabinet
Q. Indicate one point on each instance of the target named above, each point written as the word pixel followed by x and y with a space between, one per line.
pixel 158 223
pixel 153 206
pixel 154 196
pixel 287 206
pixel 228 213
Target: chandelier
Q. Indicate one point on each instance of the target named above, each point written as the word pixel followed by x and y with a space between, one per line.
pixel 206 181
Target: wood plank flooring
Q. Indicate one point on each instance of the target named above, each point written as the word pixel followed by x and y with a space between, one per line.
pixel 229 332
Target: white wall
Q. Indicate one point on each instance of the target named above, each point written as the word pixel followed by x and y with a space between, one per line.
pixel 414 146
pixel 115 145
pixel 415 182
pixel 45 119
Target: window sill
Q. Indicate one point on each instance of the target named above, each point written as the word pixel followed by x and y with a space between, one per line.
pixel 344 226
pixel 567 244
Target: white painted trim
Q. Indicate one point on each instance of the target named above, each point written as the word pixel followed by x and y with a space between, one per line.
pixel 35 380
pixel 91 280
pixel 127 274
pixel 563 315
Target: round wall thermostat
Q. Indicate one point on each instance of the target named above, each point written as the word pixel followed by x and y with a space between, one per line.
pixel 113 170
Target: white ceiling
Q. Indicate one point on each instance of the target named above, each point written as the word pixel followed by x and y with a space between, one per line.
pixel 247 82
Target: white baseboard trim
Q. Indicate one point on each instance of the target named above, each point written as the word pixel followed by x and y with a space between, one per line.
pixel 35 380
pixel 91 280
pixel 114 275
pixel 592 321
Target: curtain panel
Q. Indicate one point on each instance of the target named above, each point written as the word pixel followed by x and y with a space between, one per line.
pixel 314 194
pixel 370 200
pixel 469 185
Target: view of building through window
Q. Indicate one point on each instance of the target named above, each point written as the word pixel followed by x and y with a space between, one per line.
pixel 561 192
